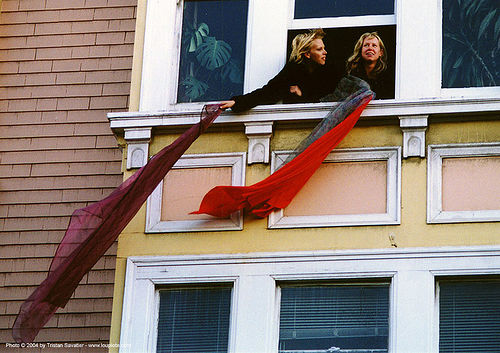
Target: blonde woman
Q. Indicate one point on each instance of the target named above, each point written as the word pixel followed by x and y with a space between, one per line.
pixel 303 79
pixel 369 62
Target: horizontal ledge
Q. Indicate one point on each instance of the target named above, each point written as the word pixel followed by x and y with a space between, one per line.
pixel 303 112
pixel 322 255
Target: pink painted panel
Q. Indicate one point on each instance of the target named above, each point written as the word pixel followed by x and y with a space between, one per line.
pixel 183 190
pixel 343 188
pixel 471 183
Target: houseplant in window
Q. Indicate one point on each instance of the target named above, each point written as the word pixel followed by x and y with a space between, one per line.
pixel 471 47
pixel 209 70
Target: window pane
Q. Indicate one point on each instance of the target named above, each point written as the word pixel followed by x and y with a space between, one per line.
pixel 194 320
pixel 337 8
pixel 471 33
pixel 212 57
pixel 317 318
pixel 469 316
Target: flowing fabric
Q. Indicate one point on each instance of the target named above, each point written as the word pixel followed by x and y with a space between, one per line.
pixel 93 229
pixel 277 191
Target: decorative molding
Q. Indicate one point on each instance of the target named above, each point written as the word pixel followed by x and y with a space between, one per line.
pixel 259 137
pixel 436 153
pixel 392 155
pixel 413 128
pixel 411 271
pixel 137 146
pixel 236 161
pixel 379 109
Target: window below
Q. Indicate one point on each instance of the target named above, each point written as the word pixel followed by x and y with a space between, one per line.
pixel 470 44
pixel 469 319
pixel 194 320
pixel 334 318
pixel 212 59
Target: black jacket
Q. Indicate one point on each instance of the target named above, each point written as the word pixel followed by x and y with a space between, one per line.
pixel 382 85
pixel 314 85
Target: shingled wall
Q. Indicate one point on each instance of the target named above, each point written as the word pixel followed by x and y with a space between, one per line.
pixel 63 66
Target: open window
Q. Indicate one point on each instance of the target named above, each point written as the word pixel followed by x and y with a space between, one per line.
pixel 344 22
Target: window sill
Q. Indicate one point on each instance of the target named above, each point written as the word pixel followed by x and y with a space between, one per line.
pixel 376 110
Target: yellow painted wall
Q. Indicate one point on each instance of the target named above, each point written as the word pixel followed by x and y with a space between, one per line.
pixel 255 237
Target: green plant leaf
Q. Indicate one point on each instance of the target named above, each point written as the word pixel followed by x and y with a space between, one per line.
pixel 233 71
pixel 486 23
pixel 197 37
pixel 213 53
pixel 193 87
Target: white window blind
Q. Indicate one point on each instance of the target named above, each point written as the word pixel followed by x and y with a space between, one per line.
pixel 469 316
pixel 194 320
pixel 334 318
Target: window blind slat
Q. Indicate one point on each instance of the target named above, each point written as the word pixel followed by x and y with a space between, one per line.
pixel 194 320
pixel 319 317
pixel 469 316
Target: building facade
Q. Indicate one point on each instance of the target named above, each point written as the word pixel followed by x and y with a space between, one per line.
pixel 63 66
pixel 392 245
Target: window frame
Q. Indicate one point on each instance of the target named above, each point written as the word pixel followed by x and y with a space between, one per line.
pixel 181 286
pixel 254 314
pixel 237 162
pixel 392 216
pixel 436 153
pixel 417 71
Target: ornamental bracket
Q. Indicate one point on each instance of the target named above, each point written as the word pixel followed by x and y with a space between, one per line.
pixel 413 127
pixel 137 146
pixel 259 137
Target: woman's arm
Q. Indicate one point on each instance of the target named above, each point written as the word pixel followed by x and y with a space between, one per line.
pixel 275 90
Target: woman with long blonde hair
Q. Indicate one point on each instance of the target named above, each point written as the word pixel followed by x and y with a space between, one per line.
pixel 303 79
pixel 369 62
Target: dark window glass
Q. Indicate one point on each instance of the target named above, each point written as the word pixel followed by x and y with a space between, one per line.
pixel 471 49
pixel 337 8
pixel 331 318
pixel 212 56
pixel 339 43
pixel 469 317
pixel 194 320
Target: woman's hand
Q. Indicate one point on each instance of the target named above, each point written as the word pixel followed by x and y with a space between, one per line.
pixel 227 104
pixel 296 90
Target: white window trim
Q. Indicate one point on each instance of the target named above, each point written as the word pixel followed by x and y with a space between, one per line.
pixel 392 155
pixel 237 162
pixel 418 71
pixel 436 153
pixel 255 313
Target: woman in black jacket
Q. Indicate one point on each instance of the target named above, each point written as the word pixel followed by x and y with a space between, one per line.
pixel 369 62
pixel 303 79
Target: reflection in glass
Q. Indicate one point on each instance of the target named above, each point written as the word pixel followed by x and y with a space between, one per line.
pixel 338 8
pixel 471 49
pixel 212 56
pixel 334 318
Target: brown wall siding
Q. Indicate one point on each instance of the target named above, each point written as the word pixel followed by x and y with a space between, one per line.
pixel 63 66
